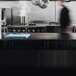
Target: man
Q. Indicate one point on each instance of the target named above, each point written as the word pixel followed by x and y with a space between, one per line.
pixel 64 20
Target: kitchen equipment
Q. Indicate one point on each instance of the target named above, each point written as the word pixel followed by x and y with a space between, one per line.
pixel 41 3
pixel 17 35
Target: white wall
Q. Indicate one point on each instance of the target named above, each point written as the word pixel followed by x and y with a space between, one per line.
pixel 47 14
pixel 72 7
pixel 32 11
pixel 0 25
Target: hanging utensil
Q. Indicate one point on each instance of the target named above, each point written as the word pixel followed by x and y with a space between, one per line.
pixel 35 2
pixel 67 0
pixel 41 3
pixel 44 3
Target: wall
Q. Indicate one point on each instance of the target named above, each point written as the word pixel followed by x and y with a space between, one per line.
pixel 0 25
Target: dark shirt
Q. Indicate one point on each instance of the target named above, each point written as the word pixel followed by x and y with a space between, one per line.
pixel 64 17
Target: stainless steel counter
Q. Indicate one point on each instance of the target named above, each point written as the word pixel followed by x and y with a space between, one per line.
pixel 48 36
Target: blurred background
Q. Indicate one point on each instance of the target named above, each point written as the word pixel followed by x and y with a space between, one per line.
pixel 43 18
pixel 16 9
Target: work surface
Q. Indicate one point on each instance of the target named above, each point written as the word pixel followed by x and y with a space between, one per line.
pixel 51 41
pixel 47 36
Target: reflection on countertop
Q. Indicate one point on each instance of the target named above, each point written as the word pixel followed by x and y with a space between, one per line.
pixel 46 36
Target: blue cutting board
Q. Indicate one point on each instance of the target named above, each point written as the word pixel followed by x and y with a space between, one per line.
pixel 11 35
